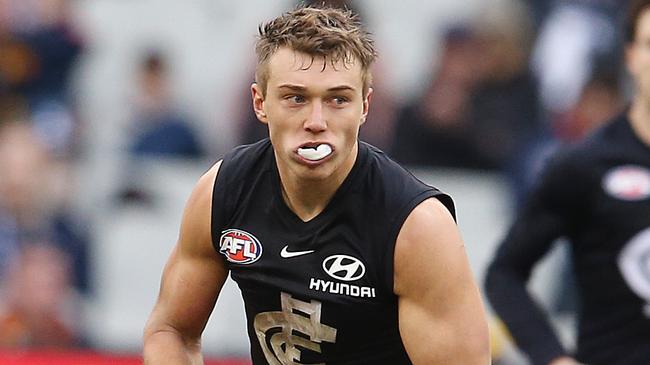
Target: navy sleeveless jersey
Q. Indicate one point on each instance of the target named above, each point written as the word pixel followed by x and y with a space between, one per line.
pixel 316 292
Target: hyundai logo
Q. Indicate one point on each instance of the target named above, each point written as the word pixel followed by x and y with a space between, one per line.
pixel 344 267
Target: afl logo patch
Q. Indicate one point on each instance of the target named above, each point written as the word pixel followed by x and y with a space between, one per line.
pixel 240 247
pixel 344 267
pixel 629 182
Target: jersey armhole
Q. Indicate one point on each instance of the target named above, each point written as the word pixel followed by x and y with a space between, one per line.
pixel 217 213
pixel 398 221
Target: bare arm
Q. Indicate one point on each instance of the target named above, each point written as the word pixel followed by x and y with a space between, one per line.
pixel 191 282
pixel 441 316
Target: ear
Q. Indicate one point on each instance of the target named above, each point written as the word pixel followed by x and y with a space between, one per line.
pixel 258 102
pixel 366 105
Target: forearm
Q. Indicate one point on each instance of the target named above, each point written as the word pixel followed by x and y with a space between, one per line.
pixel 526 321
pixel 168 347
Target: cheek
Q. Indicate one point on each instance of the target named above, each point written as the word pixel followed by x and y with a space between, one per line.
pixel 635 68
pixel 275 134
pixel 642 63
pixel 642 72
pixel 352 130
pixel 280 133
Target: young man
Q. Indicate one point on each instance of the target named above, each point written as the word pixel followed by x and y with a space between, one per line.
pixel 597 194
pixel 342 256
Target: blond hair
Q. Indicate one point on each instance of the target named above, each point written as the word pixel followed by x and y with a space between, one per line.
pixel 334 34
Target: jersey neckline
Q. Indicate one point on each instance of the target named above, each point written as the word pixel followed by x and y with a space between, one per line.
pixel 338 195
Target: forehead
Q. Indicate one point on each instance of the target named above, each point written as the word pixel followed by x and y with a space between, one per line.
pixel 293 67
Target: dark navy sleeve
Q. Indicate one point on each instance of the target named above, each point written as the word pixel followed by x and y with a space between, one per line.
pixel 549 213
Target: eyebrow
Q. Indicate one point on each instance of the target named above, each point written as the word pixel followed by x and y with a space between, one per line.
pixel 341 88
pixel 303 89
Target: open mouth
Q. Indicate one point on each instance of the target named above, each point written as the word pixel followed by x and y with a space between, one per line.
pixel 315 152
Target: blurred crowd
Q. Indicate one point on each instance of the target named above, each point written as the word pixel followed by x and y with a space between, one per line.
pixel 505 90
pixel 43 248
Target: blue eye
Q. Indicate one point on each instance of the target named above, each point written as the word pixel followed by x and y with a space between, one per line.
pixel 297 99
pixel 339 100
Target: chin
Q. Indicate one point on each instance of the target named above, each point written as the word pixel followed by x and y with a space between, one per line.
pixel 320 172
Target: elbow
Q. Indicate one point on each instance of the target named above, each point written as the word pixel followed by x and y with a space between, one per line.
pixel 154 334
pixel 153 328
pixel 149 331
pixel 491 279
pixel 501 277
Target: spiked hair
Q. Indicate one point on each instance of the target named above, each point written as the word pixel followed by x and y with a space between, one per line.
pixel 334 34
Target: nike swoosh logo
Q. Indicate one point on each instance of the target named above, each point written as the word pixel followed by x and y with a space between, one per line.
pixel 288 254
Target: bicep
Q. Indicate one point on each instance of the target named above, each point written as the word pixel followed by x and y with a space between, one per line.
pixel 194 273
pixel 441 315
pixel 188 292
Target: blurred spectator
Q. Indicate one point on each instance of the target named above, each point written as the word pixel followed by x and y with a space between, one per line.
pixel 159 128
pixel 38 305
pixel 505 104
pixel 31 203
pixel 481 105
pixel 600 99
pixel 38 49
pixel 379 127
pixel 575 37
pixel 436 129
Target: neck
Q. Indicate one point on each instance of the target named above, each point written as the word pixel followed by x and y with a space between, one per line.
pixel 639 116
pixel 308 197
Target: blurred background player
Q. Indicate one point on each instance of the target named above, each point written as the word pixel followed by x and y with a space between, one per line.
pixel 595 193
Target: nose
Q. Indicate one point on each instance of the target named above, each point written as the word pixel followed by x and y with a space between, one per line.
pixel 315 122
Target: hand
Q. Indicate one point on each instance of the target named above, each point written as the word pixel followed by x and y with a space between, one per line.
pixel 565 360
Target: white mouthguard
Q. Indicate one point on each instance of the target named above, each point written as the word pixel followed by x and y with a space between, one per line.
pixel 315 154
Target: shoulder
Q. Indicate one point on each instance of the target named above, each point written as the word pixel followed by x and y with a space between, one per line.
pixel 401 190
pixel 201 196
pixel 247 154
pixel 196 221
pixel 572 174
pixel 428 237
pixel 602 140
pixel 575 160
pixel 579 157
pixel 243 171
pixel 379 163
pixel 244 160
pixel 214 186
pixel 432 216
pixel 384 173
